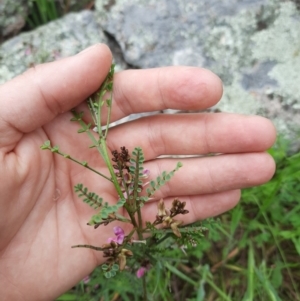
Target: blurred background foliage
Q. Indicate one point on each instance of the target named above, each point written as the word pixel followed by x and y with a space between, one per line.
pixel 44 11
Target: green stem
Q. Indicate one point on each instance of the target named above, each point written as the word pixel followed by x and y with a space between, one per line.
pixel 122 218
pixel 88 246
pixel 145 289
pixel 134 206
pixel 108 115
pixel 84 164
pixel 140 229
pixel 100 103
pixel 132 217
pixel 128 237
pixel 105 156
pixel 92 110
pixel 124 182
pixel 98 115
pixel 103 151
pixel 102 148
pixel 163 238
pixel 136 182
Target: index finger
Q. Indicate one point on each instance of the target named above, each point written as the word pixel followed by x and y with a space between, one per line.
pixel 181 88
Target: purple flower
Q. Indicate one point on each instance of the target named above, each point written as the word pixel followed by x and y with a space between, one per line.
pixel 119 232
pixel 141 272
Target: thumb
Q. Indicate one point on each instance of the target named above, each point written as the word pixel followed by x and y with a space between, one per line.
pixel 37 96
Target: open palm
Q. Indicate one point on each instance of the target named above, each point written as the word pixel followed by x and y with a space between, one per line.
pixel 40 215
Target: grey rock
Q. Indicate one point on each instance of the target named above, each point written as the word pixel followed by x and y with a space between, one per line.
pixel 256 78
pixel 281 43
pixel 13 14
pixel 252 45
pixel 58 39
pixel 172 32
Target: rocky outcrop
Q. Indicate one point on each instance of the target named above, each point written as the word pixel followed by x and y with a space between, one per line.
pixel 252 45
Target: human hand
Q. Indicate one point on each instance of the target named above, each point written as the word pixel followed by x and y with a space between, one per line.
pixel 42 217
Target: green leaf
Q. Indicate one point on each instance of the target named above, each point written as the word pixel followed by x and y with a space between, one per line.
pixel 55 149
pixel 46 145
pixel 115 208
pixel 132 168
pixel 107 274
pixel 179 164
pixel 161 180
pixel 81 131
pixel 96 219
pixel 181 275
pixel 91 198
pixel 104 214
pixel 168 177
pixel 144 198
pixel 121 202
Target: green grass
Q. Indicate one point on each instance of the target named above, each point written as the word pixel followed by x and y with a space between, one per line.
pixel 42 12
pixel 45 11
pixel 252 253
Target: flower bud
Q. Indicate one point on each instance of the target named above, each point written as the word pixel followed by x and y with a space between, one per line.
pixel 161 208
pixel 106 246
pixel 122 261
pixel 140 272
pixel 167 221
pixel 126 252
pixel 174 227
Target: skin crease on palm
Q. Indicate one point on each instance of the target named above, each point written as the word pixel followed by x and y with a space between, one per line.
pixel 41 216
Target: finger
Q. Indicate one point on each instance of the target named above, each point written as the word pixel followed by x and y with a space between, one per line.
pixel 190 134
pixel 212 174
pixel 183 88
pixel 199 206
pixel 41 93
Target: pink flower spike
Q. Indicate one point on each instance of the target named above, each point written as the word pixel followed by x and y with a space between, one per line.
pixel 141 272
